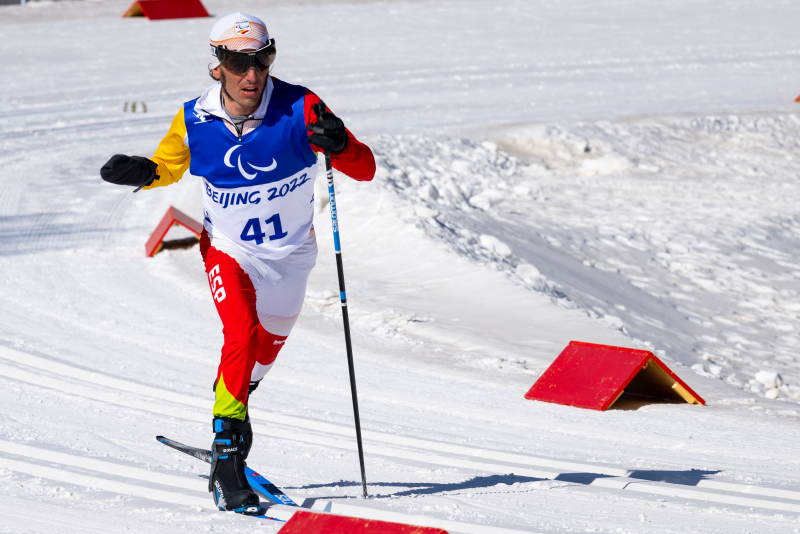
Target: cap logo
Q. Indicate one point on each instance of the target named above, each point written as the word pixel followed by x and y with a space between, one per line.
pixel 241 27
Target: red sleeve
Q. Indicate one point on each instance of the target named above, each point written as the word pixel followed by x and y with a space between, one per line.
pixel 356 160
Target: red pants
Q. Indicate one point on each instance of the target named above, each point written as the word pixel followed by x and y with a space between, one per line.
pixel 246 341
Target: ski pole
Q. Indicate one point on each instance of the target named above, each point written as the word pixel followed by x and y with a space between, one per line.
pixel 345 318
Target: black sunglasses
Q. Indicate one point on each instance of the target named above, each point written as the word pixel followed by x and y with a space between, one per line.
pixel 242 62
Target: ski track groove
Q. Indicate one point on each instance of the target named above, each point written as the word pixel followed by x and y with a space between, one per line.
pixel 99 130
pixel 66 520
pixel 613 478
pixel 71 477
pixel 101 466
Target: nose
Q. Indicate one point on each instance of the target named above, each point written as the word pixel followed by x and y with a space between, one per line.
pixel 251 75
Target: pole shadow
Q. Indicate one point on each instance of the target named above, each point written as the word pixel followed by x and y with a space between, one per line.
pixel 426 488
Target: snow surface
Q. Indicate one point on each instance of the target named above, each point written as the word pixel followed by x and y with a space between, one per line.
pixel 621 172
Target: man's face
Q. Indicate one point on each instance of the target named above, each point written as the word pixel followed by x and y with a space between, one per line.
pixel 243 91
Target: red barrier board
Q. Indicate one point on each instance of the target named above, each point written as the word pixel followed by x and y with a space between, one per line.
pixel 167 9
pixel 586 375
pixel 173 217
pixel 303 522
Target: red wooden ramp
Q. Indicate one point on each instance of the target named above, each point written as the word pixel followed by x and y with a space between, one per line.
pixel 173 217
pixel 592 376
pixel 311 523
pixel 167 9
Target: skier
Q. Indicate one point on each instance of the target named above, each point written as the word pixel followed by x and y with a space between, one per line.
pixel 253 140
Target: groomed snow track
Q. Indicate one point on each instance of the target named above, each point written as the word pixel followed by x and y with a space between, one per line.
pixel 79 385
pixel 461 294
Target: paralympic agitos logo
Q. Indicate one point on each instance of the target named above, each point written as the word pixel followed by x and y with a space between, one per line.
pixel 246 175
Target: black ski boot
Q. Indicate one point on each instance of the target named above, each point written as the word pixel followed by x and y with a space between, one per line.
pixel 227 481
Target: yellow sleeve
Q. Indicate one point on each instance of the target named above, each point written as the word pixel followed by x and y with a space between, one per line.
pixel 172 156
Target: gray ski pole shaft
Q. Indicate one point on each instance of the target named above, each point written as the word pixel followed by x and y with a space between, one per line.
pixel 345 317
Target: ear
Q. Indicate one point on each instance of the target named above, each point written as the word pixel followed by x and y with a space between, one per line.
pixel 214 73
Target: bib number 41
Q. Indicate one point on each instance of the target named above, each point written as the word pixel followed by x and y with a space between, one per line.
pixel 252 230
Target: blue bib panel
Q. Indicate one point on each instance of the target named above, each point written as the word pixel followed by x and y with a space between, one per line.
pixel 258 191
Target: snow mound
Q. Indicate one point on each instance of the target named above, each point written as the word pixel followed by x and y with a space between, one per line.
pixel 692 225
pixel 447 182
pixel 616 218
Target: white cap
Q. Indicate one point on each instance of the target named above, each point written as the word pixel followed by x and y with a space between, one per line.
pixel 238 31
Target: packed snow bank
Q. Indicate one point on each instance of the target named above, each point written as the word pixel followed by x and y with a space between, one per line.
pixel 682 233
pixel 442 179
pixel 702 224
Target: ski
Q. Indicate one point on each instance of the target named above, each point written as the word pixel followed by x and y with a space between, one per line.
pixel 200 454
pixel 259 484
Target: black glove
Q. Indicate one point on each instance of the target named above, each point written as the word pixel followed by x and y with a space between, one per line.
pixel 329 132
pixel 129 170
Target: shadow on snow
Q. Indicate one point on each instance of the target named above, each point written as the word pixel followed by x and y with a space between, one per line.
pixel 685 478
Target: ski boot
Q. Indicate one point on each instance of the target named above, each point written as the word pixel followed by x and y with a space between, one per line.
pixel 227 481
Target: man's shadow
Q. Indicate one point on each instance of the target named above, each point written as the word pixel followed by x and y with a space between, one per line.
pixel 684 478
